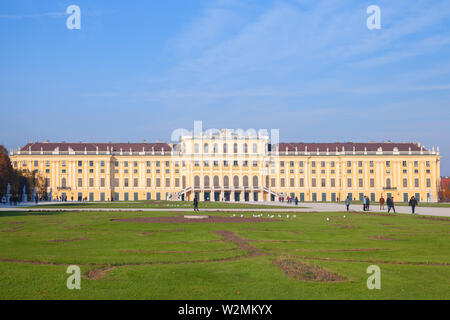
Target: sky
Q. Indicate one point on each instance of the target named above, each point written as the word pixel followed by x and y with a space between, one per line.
pixel 137 70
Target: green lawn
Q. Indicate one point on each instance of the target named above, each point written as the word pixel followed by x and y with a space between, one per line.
pixel 191 261
pixel 158 204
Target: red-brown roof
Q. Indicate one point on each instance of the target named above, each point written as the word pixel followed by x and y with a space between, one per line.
pixel 80 146
pixel 348 146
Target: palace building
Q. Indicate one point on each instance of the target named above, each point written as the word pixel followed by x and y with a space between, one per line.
pixel 229 166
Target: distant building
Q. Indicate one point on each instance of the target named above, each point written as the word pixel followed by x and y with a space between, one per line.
pixel 234 167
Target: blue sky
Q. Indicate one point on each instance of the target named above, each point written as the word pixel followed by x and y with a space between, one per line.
pixel 140 69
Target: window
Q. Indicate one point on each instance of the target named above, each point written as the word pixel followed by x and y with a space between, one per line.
pixel 313 182
pixel 313 164
pixel 416 183
pixel 323 182
pixel 80 182
pixel 91 163
pixel 135 182
pixel 235 148
pixel 196 148
pixel 80 163
pixel 405 183
pixel 158 182
pixel 349 163
pixel 102 182
pixel 302 182
pixel 125 163
pixel 255 181
pixel 416 163
pixel 427 163
pixel 428 183
pixel 177 182
pixel 291 182
pixel 167 163
pixel 36 163
pixel 102 163
pixel 116 183
pixel 333 182
pixel 255 148
pixel 281 163
pixel 300 163
pixel 332 164
pixel 360 164
pixel 47 164
pixel 149 163
pixel 91 182
pixel 215 148
pixel 322 164
pixel 360 182
pixel 225 148
pixel 205 148
pixel 24 163
pixel 80 170
pixel 372 182
pixel 349 182
pixel 245 147
pixel 371 164
pixel 126 182
pixel 404 163
pixel 291 164
pixel 245 163
pixel 158 164
pixel 255 163
pixel 63 163
pixel 135 164
pixel 149 182
pixel 282 182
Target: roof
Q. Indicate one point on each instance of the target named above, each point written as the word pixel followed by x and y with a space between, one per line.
pixel 81 146
pixel 348 146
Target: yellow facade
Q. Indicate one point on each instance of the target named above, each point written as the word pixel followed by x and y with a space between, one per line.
pixel 233 167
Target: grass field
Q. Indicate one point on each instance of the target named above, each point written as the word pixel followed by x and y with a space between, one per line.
pixel 306 257
pixel 162 204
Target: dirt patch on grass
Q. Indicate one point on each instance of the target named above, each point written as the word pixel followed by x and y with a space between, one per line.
pixel 16 222
pixel 267 230
pixel 97 274
pixel 149 233
pixel 192 251
pixel 11 229
pixel 344 226
pixel 241 243
pixel 68 240
pixel 378 237
pixel 435 218
pixel 307 272
pixel 181 219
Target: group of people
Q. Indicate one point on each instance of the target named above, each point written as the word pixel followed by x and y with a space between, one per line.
pixel 289 200
pixel 389 202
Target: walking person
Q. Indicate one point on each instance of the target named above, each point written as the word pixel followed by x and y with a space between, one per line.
pixel 195 204
pixel 296 201
pixel 381 203
pixel 364 203
pixel 347 203
pixel 389 204
pixel 413 203
pixel 368 204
